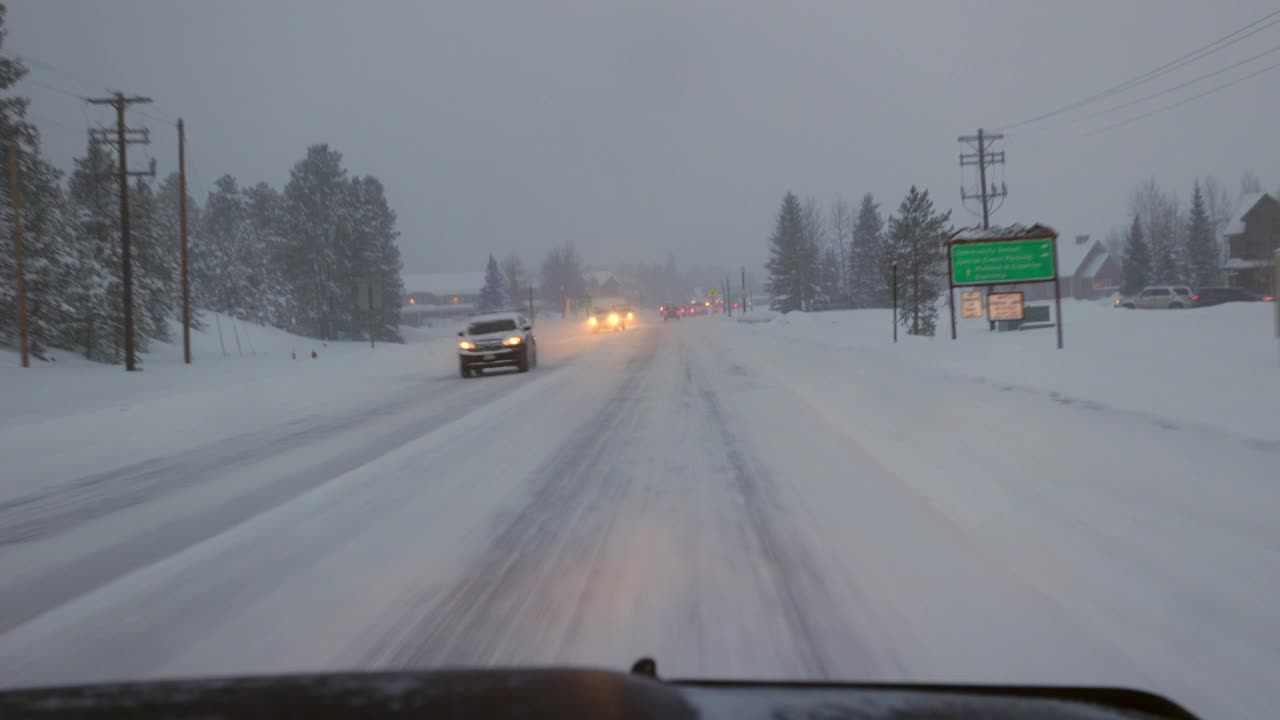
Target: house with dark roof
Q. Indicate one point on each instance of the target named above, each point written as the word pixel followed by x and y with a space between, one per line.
pixel 1251 239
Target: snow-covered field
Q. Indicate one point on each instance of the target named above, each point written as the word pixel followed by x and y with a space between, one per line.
pixel 795 498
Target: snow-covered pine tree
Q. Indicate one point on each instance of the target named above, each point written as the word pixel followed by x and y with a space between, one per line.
pixel 493 296
pixel 1202 251
pixel 313 254
pixel 263 220
pixel 155 272
pixel 1135 268
pixel 518 285
pixel 48 264
pixel 168 219
pixel 374 254
pixel 916 240
pixel 829 277
pixel 867 271
pixel 792 276
pixel 95 247
pixel 219 272
pixel 551 278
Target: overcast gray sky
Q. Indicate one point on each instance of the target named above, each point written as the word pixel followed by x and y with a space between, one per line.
pixel 641 127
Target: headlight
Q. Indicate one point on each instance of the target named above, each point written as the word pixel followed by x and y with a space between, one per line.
pixel 466 345
pixel 592 320
pixel 613 319
pixel 630 316
pixel 513 340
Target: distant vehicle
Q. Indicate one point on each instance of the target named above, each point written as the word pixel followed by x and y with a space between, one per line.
pixel 1209 296
pixel 672 312
pixel 607 319
pixel 1162 297
pixel 491 340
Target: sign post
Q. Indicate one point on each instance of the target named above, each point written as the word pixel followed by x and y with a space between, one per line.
pixel 1014 255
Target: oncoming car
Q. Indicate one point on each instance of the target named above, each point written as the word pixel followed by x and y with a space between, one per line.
pixel 611 319
pixel 503 339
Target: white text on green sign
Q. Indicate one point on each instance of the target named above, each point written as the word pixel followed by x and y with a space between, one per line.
pixel 1002 261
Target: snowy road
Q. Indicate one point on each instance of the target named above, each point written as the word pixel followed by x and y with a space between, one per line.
pixel 730 501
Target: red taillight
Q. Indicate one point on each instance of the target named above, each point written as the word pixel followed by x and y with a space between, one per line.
pixel 1267 298
pixel 1195 298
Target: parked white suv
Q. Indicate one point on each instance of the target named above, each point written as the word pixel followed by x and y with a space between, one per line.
pixel 1163 297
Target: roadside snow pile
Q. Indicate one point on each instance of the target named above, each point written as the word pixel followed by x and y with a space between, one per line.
pixel 1216 367
pixel 759 316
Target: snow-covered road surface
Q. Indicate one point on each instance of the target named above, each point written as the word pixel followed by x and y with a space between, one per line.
pixel 729 500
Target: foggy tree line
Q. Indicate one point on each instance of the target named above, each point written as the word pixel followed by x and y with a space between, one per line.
pixel 843 259
pixel 290 258
pixel 1171 242
pixel 295 258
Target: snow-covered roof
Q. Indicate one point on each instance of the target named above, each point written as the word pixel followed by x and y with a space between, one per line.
pixel 1007 232
pixel 444 283
pixel 1245 264
pixel 1247 203
pixel 1072 253
pixel 1094 264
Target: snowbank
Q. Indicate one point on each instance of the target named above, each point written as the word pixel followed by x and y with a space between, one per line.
pixel 1215 368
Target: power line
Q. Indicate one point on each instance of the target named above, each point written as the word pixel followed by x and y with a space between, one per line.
pixel 1156 111
pixel 86 82
pixel 52 88
pixel 1153 95
pixel 1184 59
pixel 54 123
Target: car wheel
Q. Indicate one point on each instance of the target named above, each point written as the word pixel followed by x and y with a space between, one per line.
pixel 1175 306
pixel 534 347
pixel 523 365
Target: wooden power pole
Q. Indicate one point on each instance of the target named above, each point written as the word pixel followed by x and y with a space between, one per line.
pixel 15 195
pixel 182 224
pixel 124 138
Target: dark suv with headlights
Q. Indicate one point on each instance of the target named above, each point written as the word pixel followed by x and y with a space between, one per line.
pixel 492 340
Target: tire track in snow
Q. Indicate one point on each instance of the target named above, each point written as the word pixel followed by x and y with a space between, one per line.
pixel 66 507
pixel 541 560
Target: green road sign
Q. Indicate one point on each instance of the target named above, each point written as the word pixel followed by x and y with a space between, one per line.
pixel 1002 261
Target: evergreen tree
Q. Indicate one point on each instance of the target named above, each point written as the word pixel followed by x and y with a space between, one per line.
pixel 792 268
pixel 829 277
pixel 916 241
pixel 867 271
pixel 1135 271
pixel 314 253
pixel 49 267
pixel 1202 251
pixel 260 247
pixel 493 296
pixel 155 271
pixel 517 284
pixel 553 291
pixel 95 243
pixel 221 256
pixel 374 255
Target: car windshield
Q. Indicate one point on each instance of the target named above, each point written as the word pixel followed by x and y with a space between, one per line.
pixel 804 340
pixel 486 327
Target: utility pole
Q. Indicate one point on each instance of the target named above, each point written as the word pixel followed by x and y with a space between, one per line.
pixel 124 138
pixel 983 158
pixel 728 297
pixel 15 195
pixel 182 212
pixel 744 288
